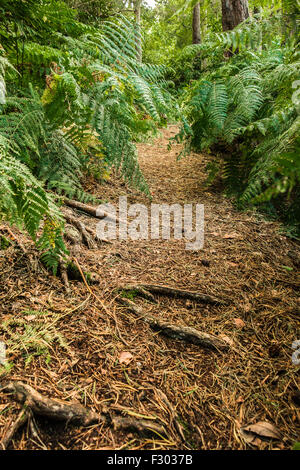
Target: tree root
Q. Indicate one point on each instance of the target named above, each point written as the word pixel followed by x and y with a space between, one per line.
pixel 82 207
pixel 139 425
pixel 87 237
pixel 174 417
pixel 15 238
pixel 184 333
pixel 91 210
pixel 59 410
pixel 172 292
pixel 64 275
pixel 50 407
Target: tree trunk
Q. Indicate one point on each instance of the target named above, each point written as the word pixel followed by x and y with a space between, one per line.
pixel 138 39
pixel 233 13
pixel 196 24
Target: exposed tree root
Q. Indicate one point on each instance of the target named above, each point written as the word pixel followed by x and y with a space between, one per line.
pixel 88 234
pixel 174 417
pixel 64 275
pixel 15 238
pixel 138 289
pixel 87 237
pixel 58 410
pixel 172 292
pixel 184 333
pixel 20 421
pixel 50 407
pixel 139 425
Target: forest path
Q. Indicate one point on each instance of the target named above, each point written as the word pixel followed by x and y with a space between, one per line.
pixel 244 259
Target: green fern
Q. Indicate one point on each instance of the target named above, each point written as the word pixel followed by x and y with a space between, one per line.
pixel 244 108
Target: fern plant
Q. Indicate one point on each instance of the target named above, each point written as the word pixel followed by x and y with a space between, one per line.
pixel 88 97
pixel 245 107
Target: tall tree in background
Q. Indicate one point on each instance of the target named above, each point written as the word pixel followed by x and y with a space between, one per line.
pixel 233 13
pixel 196 24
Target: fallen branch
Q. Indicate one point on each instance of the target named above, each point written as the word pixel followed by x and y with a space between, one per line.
pixel 172 292
pixel 82 207
pixel 91 210
pixel 184 333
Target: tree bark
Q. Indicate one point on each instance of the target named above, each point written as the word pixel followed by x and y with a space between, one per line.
pixel 233 13
pixel 196 24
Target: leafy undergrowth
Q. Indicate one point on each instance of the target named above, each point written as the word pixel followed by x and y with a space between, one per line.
pixel 244 259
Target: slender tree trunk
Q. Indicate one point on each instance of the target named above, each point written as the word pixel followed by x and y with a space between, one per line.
pixel 196 24
pixel 138 39
pixel 233 13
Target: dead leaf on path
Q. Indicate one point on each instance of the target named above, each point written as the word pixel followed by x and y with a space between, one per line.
pixel 252 433
pixel 30 317
pixel 125 357
pixel 239 323
pixel 231 235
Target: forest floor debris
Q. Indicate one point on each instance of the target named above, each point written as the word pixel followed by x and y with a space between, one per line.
pixel 202 399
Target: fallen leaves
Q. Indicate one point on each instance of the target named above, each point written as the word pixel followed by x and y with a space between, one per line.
pixel 125 357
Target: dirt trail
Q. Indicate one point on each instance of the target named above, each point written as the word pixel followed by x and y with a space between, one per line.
pixel 199 396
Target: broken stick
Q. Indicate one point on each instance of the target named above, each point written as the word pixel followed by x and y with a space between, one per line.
pixel 89 240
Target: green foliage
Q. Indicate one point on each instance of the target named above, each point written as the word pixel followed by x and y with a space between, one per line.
pixel 88 102
pixel 32 333
pixel 246 106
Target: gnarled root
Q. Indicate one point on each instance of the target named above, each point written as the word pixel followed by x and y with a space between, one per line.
pixel 185 333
